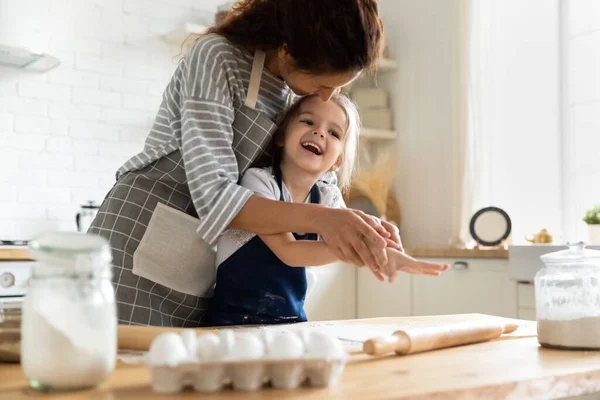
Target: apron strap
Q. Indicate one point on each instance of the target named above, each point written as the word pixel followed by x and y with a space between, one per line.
pixel 255 75
pixel 315 198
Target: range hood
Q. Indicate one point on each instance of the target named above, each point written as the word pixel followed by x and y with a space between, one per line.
pixel 24 35
pixel 24 59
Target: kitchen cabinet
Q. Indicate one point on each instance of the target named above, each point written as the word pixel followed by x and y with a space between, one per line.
pixel 469 286
pixel 526 300
pixel 332 294
pixel 383 299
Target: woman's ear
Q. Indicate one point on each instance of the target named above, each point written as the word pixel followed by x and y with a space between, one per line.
pixel 284 53
pixel 286 61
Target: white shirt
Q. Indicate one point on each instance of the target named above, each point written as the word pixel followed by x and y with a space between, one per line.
pixel 263 183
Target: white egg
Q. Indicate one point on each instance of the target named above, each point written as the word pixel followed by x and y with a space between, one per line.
pixel 167 349
pixel 266 337
pixel 247 347
pixel 324 346
pixel 304 335
pixel 208 347
pixel 286 345
pixel 227 340
pixel 189 341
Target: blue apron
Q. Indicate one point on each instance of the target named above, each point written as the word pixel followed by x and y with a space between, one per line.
pixel 255 287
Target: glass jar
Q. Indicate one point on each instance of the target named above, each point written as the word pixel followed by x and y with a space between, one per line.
pixel 69 321
pixel 567 299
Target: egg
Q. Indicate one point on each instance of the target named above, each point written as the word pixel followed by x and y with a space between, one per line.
pixel 227 340
pixel 247 347
pixel 189 341
pixel 266 337
pixel 304 335
pixel 324 346
pixel 286 345
pixel 167 349
pixel 208 347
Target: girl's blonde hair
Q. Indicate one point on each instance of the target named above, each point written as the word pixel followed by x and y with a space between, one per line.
pixel 350 148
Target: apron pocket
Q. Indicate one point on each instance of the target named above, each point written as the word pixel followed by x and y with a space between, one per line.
pixel 172 254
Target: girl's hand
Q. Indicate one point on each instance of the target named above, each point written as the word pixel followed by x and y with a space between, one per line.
pixel 398 261
pixel 394 240
pixel 355 238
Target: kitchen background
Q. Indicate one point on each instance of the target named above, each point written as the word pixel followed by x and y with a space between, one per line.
pixel 519 83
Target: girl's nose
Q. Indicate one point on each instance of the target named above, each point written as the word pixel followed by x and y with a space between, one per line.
pixel 319 133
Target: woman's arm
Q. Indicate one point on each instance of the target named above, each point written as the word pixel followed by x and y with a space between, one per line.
pixel 351 235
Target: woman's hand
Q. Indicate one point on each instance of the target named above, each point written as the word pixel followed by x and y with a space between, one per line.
pixel 355 238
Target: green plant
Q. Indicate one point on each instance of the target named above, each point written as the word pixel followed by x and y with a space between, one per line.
pixel 592 216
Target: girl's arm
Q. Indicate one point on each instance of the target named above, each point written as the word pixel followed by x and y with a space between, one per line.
pixel 352 235
pixel 299 253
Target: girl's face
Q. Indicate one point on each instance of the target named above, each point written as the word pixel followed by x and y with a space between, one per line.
pixel 314 138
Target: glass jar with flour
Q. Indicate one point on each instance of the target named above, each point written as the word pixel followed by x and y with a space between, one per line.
pixel 567 298
pixel 69 322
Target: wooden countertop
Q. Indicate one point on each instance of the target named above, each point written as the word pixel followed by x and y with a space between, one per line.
pixel 14 255
pixel 514 367
pixel 22 255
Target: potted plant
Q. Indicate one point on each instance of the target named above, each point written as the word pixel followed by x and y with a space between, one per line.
pixel 592 219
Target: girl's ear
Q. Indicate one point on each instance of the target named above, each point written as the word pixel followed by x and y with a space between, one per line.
pixel 336 166
pixel 279 141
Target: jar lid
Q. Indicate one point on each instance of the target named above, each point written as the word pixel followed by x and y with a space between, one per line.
pixel 575 254
pixel 69 246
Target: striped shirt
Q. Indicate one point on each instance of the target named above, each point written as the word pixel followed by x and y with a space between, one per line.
pixel 196 116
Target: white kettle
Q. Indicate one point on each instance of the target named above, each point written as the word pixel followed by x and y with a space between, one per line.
pixel 86 215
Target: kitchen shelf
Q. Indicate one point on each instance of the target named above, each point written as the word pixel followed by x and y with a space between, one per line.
pixel 179 35
pixel 372 133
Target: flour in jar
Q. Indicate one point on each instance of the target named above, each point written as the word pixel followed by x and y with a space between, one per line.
pixel 583 333
pixel 54 360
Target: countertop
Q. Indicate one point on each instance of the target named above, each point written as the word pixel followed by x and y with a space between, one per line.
pixel 514 367
pixel 22 255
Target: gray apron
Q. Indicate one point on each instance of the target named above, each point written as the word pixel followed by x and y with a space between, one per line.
pixel 128 207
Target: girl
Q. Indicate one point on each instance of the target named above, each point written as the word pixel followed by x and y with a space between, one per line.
pixel 261 278
pixel 216 118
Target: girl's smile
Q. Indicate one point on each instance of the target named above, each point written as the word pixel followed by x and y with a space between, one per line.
pixel 314 138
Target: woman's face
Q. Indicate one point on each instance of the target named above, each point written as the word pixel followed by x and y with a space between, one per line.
pixel 304 83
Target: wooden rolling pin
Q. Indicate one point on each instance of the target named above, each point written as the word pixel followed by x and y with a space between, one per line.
pixel 132 337
pixel 419 338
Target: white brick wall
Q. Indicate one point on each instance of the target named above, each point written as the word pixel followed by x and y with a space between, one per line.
pixel 64 133
pixel 582 114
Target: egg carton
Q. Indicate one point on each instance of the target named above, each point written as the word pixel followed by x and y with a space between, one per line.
pixel 250 362
pixel 246 375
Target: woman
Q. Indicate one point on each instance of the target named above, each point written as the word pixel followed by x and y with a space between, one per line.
pixel 217 117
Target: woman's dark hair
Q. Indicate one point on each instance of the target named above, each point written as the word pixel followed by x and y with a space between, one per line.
pixel 322 36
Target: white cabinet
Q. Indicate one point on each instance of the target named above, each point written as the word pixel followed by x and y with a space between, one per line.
pixel 526 300
pixel 469 286
pixel 332 296
pixel 383 299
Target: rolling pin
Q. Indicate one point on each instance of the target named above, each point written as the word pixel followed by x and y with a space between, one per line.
pixel 417 339
pixel 132 337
